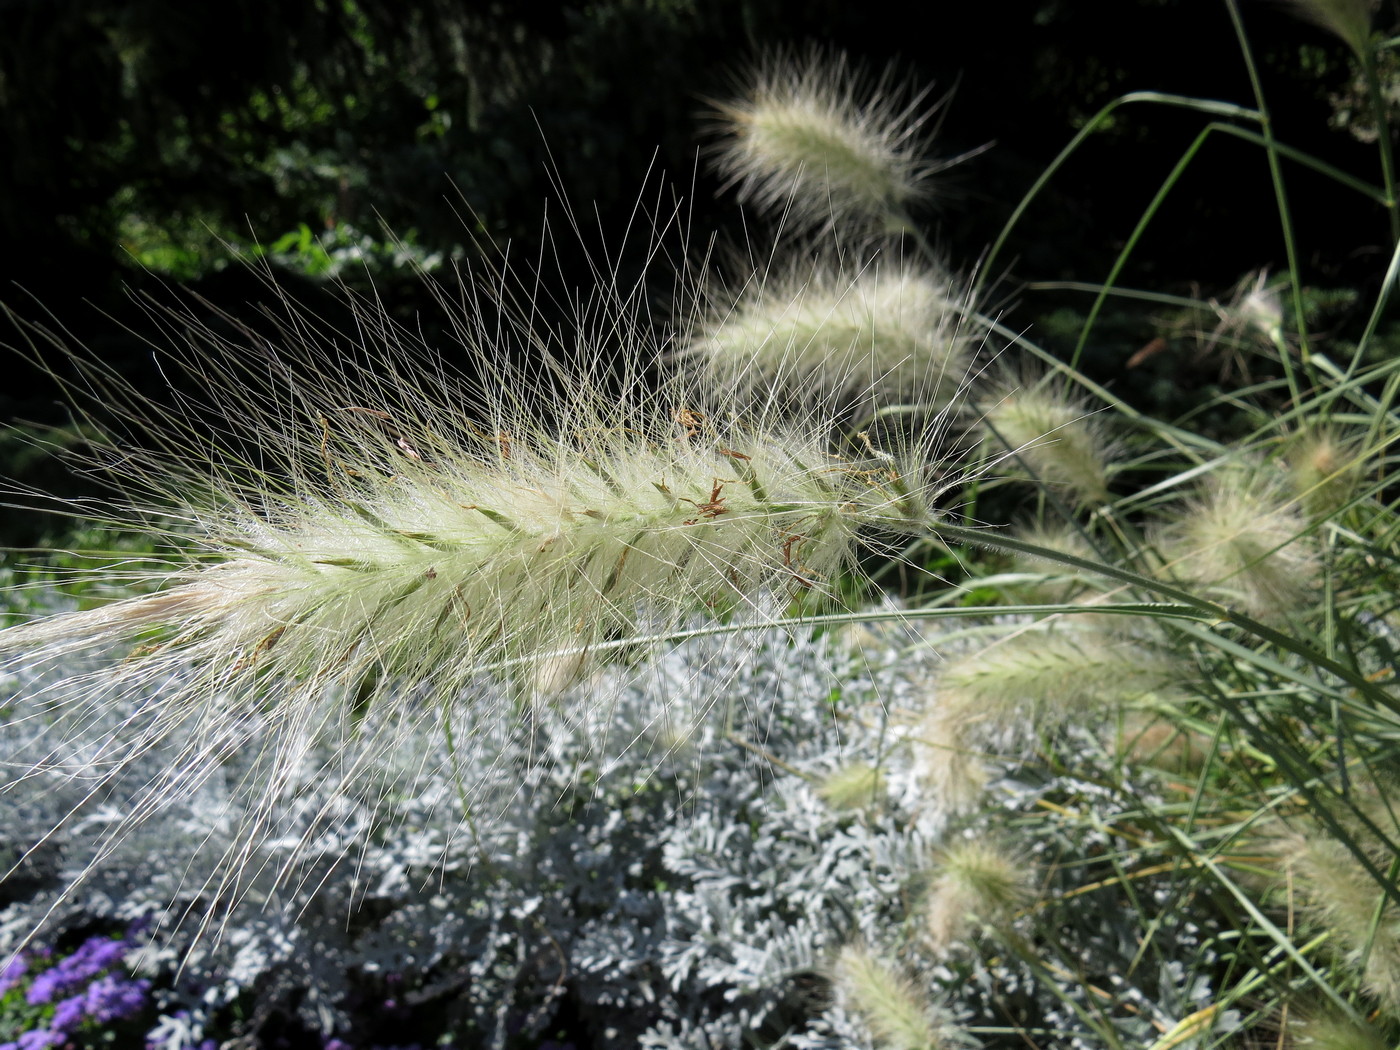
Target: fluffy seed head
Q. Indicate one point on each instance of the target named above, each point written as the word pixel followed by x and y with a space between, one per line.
pixel 892 332
pixel 898 1014
pixel 979 883
pixel 1259 306
pixel 1243 536
pixel 811 135
pixel 1045 677
pixel 1325 469
pixel 950 762
pixel 1329 1032
pixel 856 785
pixel 1052 434
pixel 495 546
pixel 1342 896
pixel 1350 20
pixel 1036 680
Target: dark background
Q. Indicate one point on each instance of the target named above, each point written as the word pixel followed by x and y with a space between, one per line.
pixel 137 134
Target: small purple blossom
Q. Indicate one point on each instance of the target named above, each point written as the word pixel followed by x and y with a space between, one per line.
pixel 16 968
pixel 92 957
pixel 111 998
pixel 39 1039
pixel 95 955
pixel 44 987
pixel 68 1014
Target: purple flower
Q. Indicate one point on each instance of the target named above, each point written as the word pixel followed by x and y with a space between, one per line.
pixel 92 957
pixel 96 955
pixel 68 1014
pixel 39 1039
pixel 9 1046
pixel 333 1044
pixel 112 998
pixel 10 975
pixel 44 987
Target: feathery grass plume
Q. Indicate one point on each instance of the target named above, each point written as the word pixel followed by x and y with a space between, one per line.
pixel 1250 319
pixel 980 884
pixel 815 137
pixel 1258 306
pixel 1343 897
pixel 1037 679
pixel 892 332
pixel 1348 20
pixel 1044 676
pixel 1052 434
pixel 1336 868
pixel 856 785
pixel 371 530
pixel 1242 535
pixel 487 545
pixel 1325 470
pixel 950 761
pixel 1253 313
pixel 1330 1032
pixel 898 1014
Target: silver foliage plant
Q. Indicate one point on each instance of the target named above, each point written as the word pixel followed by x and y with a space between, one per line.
pixel 668 869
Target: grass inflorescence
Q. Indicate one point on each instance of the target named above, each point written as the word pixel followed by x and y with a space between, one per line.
pixel 889 333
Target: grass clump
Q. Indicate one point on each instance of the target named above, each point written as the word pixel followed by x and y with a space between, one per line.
pixel 1148 735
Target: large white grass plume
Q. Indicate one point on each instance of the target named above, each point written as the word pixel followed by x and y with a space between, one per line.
pixel 811 136
pixel 360 534
pixel 885 333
